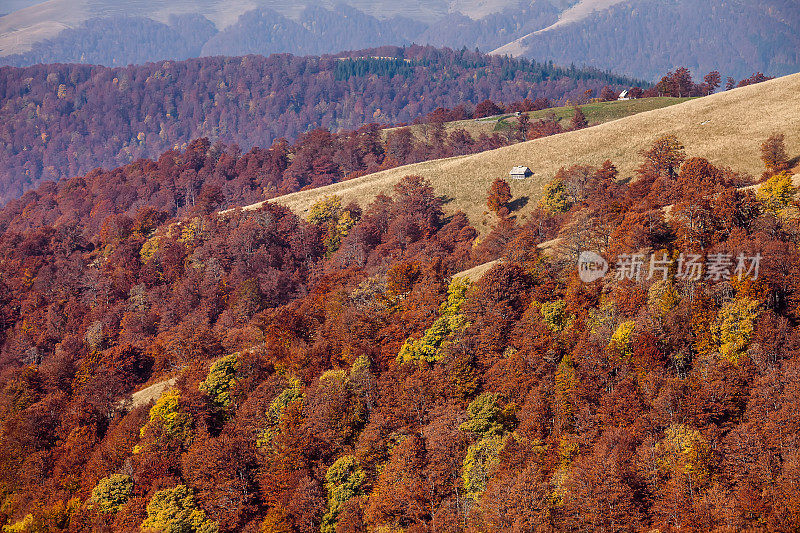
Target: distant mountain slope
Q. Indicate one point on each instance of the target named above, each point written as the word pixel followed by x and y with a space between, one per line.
pixel 649 37
pixel 25 25
pixel 316 31
pixel 121 41
pixel 726 128
pixel 491 31
pixel 642 38
pixel 64 120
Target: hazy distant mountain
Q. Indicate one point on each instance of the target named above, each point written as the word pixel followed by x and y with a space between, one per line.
pixel 649 37
pixel 491 31
pixel 99 31
pixel 316 31
pixel 642 38
pixel 21 29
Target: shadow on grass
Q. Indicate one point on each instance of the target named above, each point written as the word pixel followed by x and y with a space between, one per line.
pixel 518 203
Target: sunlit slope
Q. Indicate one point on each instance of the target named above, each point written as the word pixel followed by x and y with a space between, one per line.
pixel 595 112
pixel 727 128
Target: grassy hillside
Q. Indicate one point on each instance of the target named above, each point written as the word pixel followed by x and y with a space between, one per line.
pixel 596 113
pixel 727 128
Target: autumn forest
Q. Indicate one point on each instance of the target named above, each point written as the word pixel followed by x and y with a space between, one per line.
pixel 181 352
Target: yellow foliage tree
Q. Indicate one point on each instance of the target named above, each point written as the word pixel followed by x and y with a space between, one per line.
pixel 777 193
pixel 291 394
pixel 734 328
pixel 566 381
pixel 555 315
pixel 556 199
pixel 621 339
pixel 325 211
pixel 684 451
pixel 175 511
pixel 111 493
pixel 450 321
pixel 221 378
pixel 662 297
pixel 329 214
pixel 173 420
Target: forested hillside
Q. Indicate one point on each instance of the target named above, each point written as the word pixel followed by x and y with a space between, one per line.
pixel 64 120
pixel 330 375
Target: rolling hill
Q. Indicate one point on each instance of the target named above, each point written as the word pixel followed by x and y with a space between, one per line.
pixel 61 121
pixel 595 112
pixel 726 128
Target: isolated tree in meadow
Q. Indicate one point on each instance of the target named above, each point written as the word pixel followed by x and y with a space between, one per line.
pixel 758 77
pixel 549 125
pixel 399 144
pixel 773 154
pixel 712 81
pixel 578 120
pixel 522 127
pixel 664 158
pixel 498 196
pixel 682 82
pixel 556 199
pixel 487 108
pixel 608 94
pixel 730 83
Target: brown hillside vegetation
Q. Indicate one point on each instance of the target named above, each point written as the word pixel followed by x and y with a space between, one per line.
pixel 726 128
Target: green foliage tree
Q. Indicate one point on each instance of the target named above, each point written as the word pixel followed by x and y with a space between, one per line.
pixel 221 379
pixel 479 462
pixel 289 395
pixel 450 321
pixel 175 511
pixel 111 493
pixel 343 481
pixel 328 214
